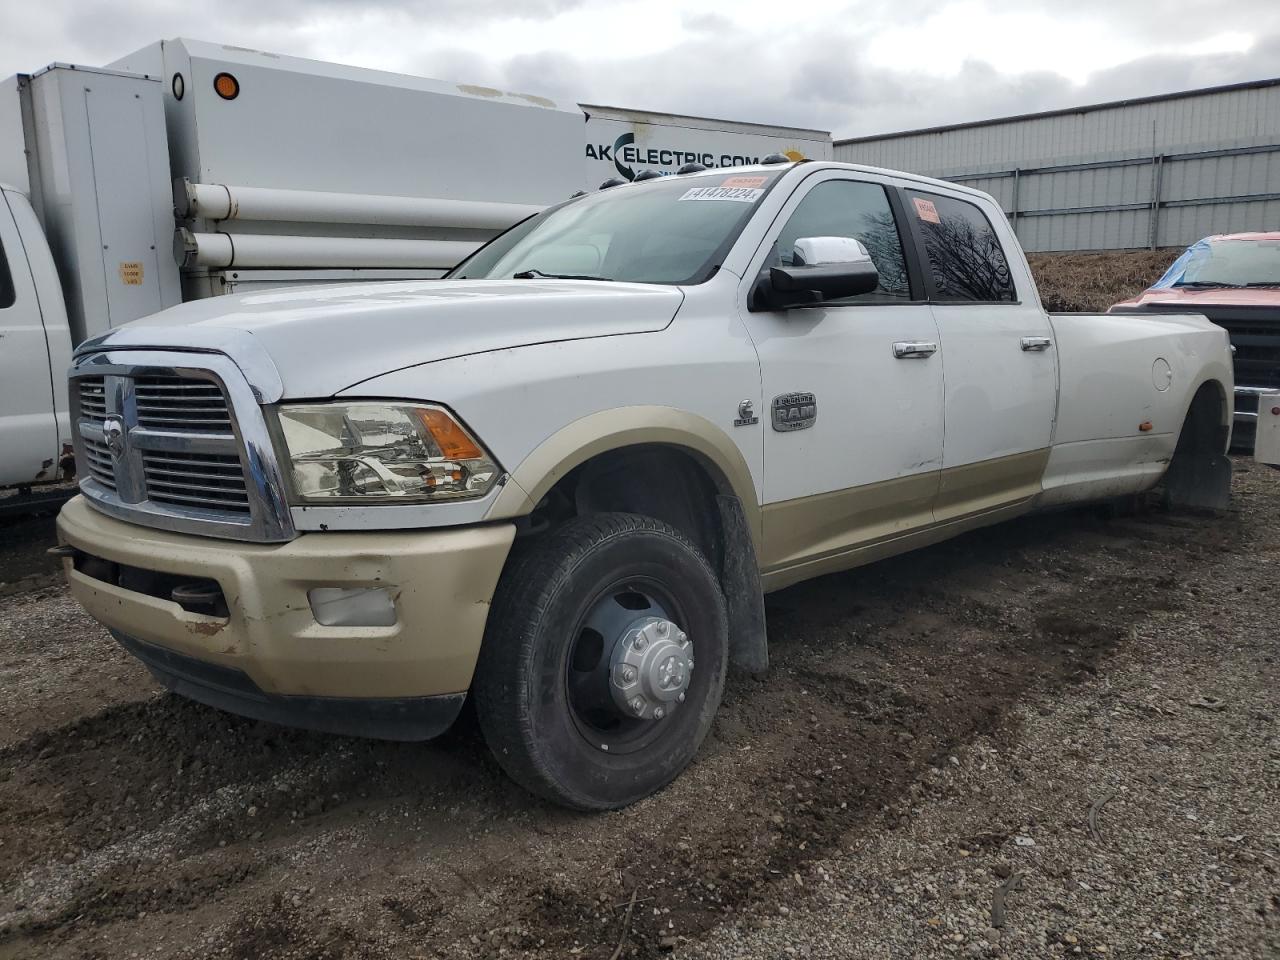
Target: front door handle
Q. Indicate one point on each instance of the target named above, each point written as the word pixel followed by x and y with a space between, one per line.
pixel 914 349
pixel 1036 344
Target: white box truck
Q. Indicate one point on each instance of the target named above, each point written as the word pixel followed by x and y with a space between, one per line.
pixel 188 170
pixel 623 143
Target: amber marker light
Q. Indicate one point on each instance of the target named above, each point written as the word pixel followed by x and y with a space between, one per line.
pixel 1145 426
pixel 226 86
pixel 449 436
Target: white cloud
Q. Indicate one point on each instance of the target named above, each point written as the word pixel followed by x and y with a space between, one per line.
pixel 852 67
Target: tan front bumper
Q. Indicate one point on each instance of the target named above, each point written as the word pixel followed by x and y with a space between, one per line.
pixel 442 581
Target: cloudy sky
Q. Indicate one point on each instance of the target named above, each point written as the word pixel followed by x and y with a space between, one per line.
pixel 851 66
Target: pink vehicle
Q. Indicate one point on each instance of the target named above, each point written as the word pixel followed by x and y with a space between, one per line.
pixel 1234 280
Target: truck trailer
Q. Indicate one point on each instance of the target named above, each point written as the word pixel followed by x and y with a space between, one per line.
pixel 189 170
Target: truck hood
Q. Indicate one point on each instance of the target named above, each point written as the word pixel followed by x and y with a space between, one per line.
pixel 321 340
pixel 1194 299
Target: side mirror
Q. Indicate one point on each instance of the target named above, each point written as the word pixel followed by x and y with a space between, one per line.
pixel 825 268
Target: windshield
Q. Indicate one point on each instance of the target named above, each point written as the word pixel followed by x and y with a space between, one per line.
pixel 1225 263
pixel 675 231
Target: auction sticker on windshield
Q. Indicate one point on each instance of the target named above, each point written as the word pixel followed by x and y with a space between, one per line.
pixel 740 194
pixel 744 182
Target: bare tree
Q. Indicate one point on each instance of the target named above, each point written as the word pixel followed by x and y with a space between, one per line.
pixel 968 262
pixel 879 234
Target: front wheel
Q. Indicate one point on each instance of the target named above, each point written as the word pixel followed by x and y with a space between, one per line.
pixel 603 661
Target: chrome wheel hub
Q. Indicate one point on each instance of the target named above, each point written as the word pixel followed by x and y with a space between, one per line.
pixel 650 669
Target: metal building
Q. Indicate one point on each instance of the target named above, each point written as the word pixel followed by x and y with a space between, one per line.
pixel 1149 172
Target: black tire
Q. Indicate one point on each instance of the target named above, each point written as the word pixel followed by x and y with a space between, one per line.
pixel 527 709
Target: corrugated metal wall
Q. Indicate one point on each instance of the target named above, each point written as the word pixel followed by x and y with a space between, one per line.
pixel 1156 172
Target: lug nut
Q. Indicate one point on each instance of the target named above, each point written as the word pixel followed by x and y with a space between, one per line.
pixel 681 698
pixel 691 663
pixel 637 704
pixel 658 713
pixel 640 642
pixel 628 674
pixel 664 628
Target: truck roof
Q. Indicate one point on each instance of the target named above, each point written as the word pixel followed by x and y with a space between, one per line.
pixel 840 165
pixel 103 71
pixel 245 56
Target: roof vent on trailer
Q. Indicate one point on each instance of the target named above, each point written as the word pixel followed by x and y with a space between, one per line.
pixel 612 182
pixel 776 158
pixel 692 168
pixel 647 175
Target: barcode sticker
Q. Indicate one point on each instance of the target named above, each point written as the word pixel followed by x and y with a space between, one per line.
pixel 738 194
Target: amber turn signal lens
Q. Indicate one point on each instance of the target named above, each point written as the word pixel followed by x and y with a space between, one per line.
pixel 226 86
pixel 1145 426
pixel 451 438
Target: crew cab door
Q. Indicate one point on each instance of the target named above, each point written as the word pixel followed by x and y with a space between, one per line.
pixel 28 427
pixel 865 467
pixel 1001 362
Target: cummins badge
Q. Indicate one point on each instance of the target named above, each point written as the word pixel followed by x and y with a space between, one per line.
pixel 794 411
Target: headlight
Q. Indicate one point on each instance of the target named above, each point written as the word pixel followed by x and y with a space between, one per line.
pixel 371 451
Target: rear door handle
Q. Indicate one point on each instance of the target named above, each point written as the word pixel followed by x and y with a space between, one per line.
pixel 1036 344
pixel 914 349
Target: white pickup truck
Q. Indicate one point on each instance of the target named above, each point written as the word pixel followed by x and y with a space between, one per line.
pixel 562 480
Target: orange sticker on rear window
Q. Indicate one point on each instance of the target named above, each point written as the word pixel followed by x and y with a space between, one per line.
pixel 925 210
pixel 744 182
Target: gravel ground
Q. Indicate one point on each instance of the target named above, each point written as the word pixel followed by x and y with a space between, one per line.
pixel 936 729
pixel 1137 815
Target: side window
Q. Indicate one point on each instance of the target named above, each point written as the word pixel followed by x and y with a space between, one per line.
pixel 847 208
pixel 7 295
pixel 965 256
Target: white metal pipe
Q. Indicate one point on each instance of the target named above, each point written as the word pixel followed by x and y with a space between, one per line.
pixel 221 250
pixel 224 202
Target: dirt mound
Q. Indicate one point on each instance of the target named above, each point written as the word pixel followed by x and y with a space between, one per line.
pixel 1094 281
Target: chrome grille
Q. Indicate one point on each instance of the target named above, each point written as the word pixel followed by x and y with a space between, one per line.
pixel 181 449
pixel 93 397
pixel 98 462
pixel 177 441
pixel 215 481
pixel 93 407
pixel 180 403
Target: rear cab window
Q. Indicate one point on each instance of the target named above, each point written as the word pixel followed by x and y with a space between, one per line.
pixel 962 253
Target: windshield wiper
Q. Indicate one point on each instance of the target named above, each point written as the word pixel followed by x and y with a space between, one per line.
pixel 539 275
pixel 1263 283
pixel 1206 283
